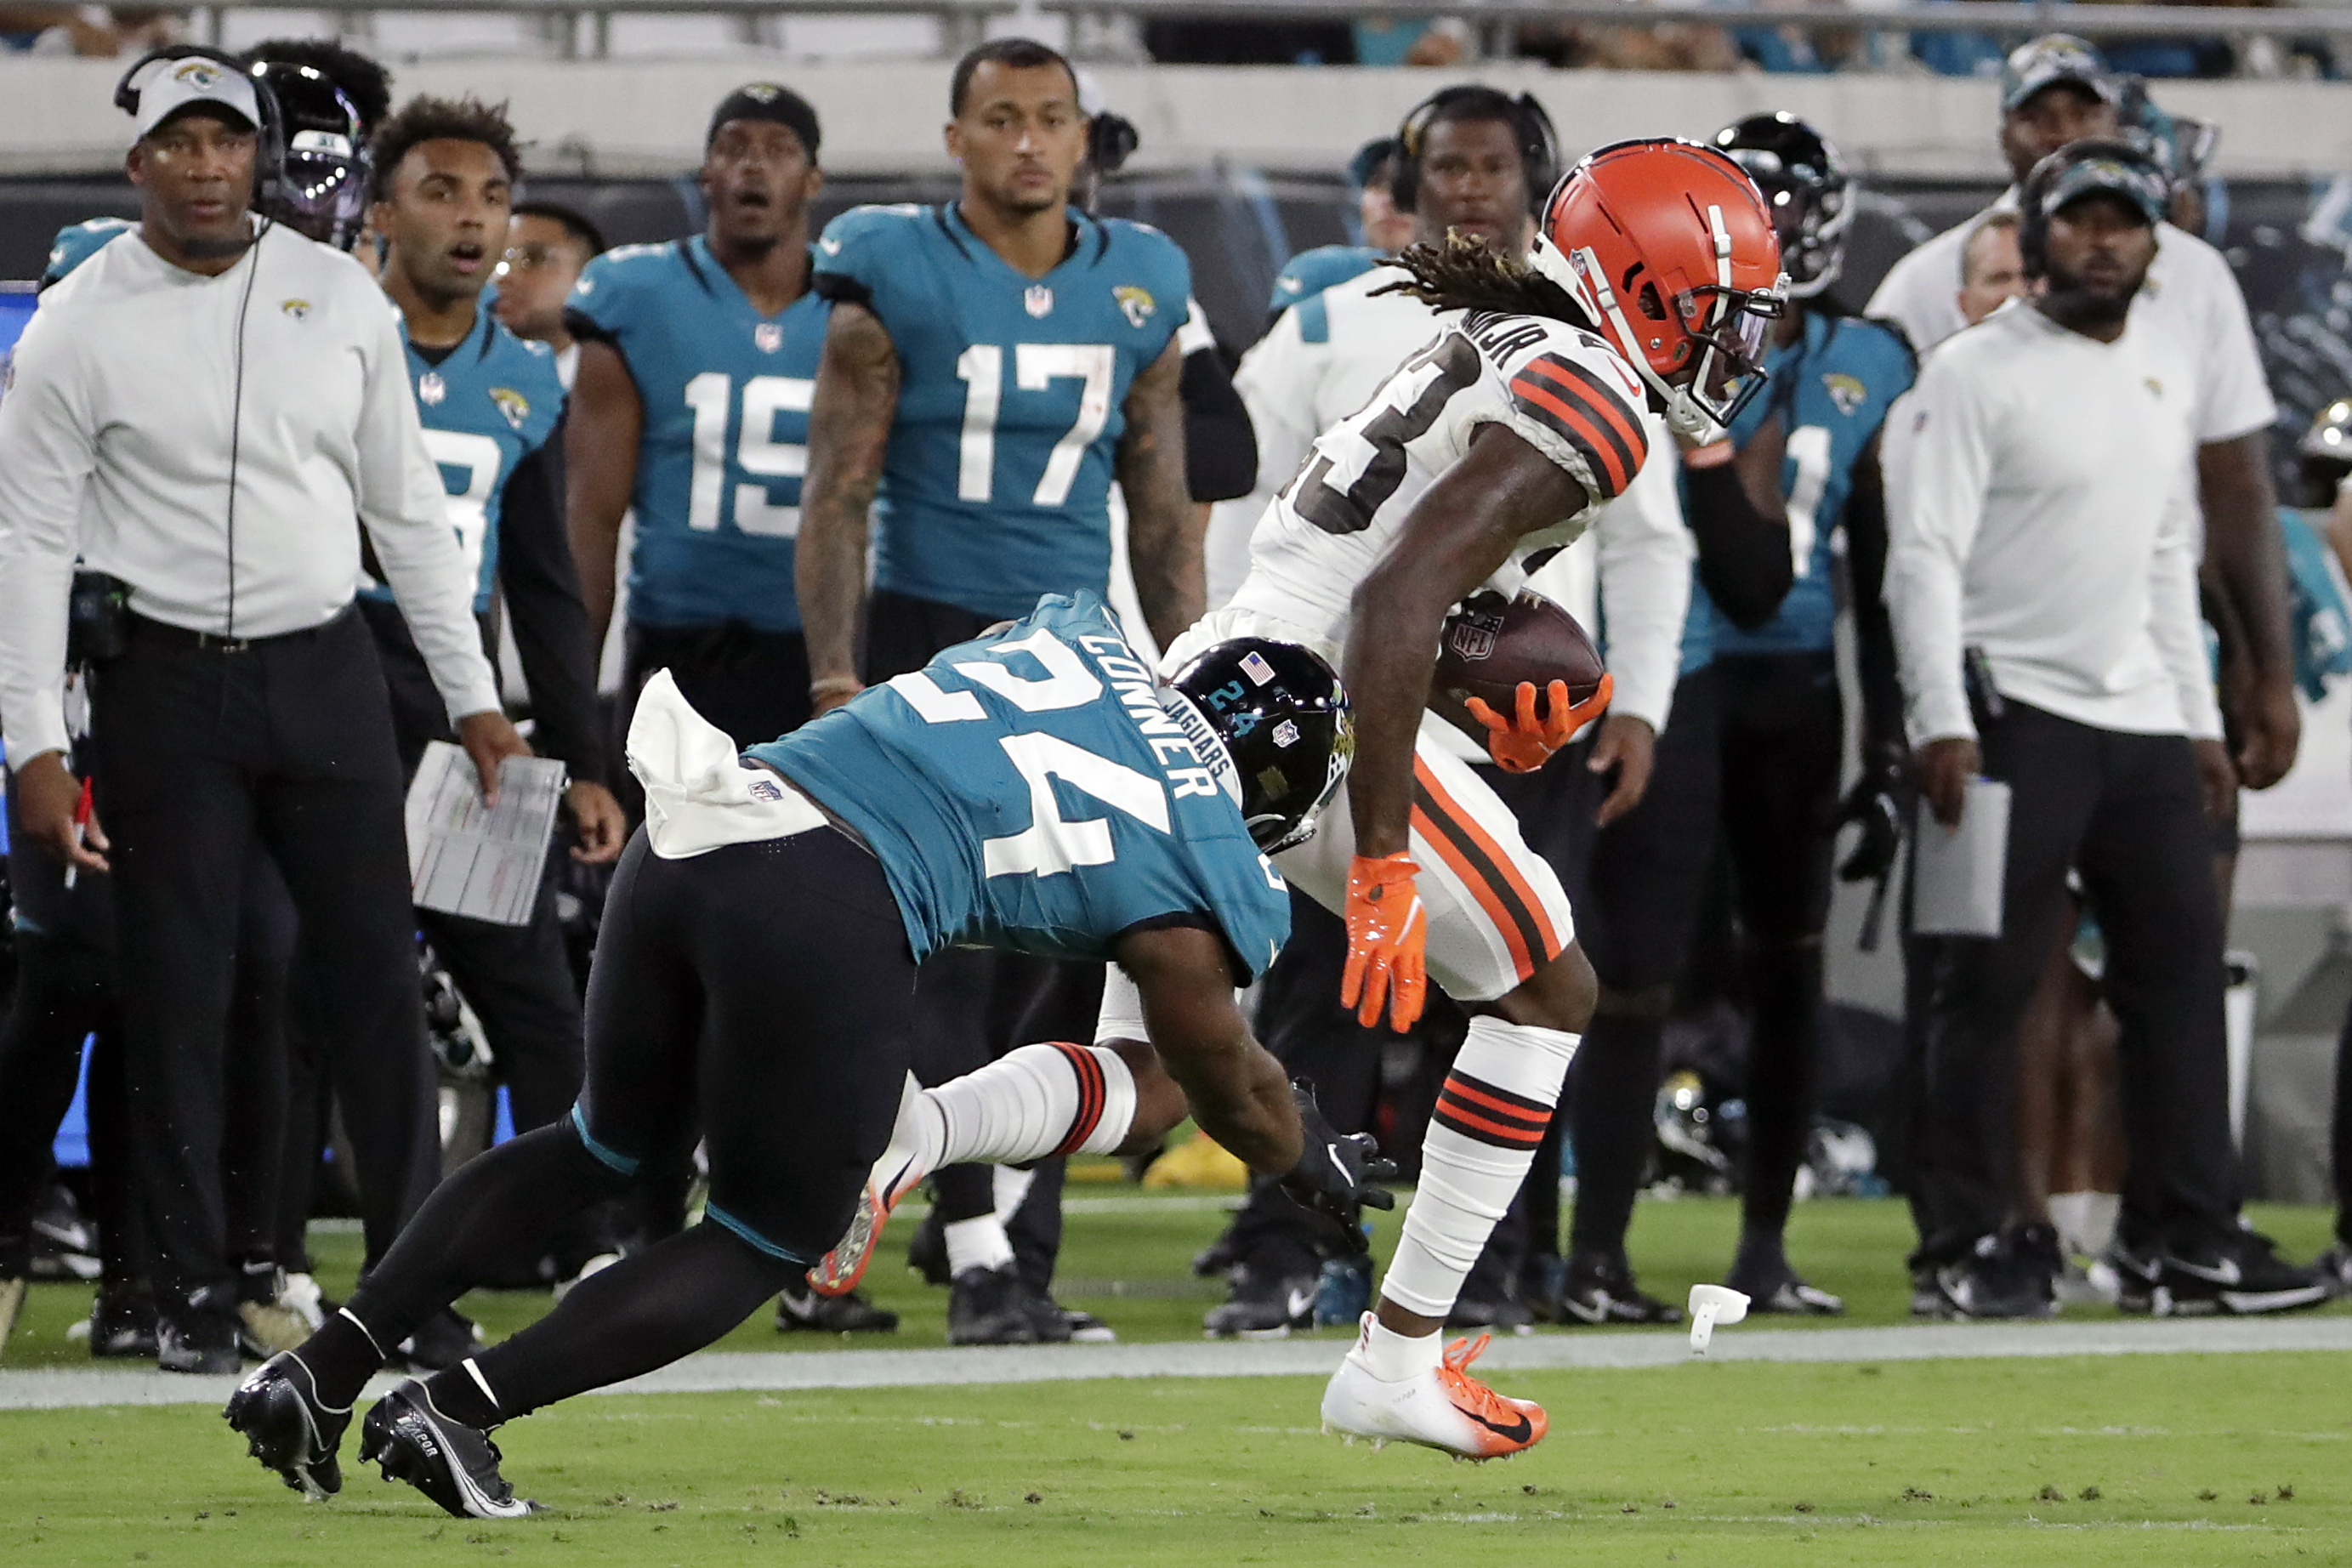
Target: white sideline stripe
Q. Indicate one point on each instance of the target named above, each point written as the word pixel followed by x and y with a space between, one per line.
pixel 916 1208
pixel 783 1369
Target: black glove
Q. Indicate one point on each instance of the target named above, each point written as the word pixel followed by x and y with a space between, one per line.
pixel 1877 804
pixel 1335 1175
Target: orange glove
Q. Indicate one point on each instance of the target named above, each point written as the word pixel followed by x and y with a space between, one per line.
pixel 1524 744
pixel 1387 923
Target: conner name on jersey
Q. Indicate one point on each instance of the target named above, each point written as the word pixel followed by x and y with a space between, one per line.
pixel 1137 690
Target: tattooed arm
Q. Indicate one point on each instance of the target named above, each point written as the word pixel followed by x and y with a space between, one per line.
pixel 1163 528
pixel 857 398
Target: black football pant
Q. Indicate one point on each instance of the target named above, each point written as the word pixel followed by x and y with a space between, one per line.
pixel 757 998
pixel 1636 886
pixel 2125 811
pixel 972 1005
pixel 198 748
pixel 1782 731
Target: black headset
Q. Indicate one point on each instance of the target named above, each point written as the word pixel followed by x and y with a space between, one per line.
pixel 1531 127
pixel 269 154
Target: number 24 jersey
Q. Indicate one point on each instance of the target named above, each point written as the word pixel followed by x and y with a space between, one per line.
pixel 1562 390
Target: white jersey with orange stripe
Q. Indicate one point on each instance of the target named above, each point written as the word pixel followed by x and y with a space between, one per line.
pixel 1559 388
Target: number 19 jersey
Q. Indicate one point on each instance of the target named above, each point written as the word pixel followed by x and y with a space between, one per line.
pixel 725 393
pixel 1028 790
pixel 996 485
pixel 1562 390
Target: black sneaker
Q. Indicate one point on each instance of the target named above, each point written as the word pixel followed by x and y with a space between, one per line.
pixel 63 1245
pixel 122 1323
pixel 1600 1289
pixel 1265 1304
pixel 996 1307
pixel 440 1343
pixel 2334 1267
pixel 1781 1289
pixel 198 1336
pixel 1994 1281
pixel 926 1249
pixel 2240 1272
pixel 455 1465
pixel 1927 1298
pixel 288 1427
pixel 1490 1314
pixel 801 1309
pixel 1086 1328
pixel 2139 1280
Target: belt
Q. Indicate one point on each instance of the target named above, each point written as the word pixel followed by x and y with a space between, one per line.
pixel 213 642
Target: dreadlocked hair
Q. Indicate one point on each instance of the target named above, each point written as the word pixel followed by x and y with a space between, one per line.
pixel 1460 273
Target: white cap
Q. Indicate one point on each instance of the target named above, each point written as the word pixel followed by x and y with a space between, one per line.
pixel 167 86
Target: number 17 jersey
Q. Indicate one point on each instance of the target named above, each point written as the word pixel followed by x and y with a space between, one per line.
pixel 996 485
pixel 1562 390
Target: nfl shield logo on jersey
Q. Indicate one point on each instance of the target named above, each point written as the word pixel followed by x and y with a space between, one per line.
pixel 768 336
pixel 1038 301
pixel 431 389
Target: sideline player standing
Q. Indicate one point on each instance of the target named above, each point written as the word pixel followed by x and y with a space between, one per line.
pixel 991 365
pixel 697 361
pixel 753 990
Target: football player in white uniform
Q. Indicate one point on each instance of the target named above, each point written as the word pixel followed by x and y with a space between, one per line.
pixel 1497 443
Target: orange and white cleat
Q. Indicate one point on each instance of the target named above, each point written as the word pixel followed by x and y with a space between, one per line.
pixel 898 1173
pixel 1444 1408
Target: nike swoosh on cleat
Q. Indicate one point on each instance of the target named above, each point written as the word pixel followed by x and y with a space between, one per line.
pixel 1300 1301
pixel 1519 1432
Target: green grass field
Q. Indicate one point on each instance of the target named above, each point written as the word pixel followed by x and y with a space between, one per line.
pixel 2178 1459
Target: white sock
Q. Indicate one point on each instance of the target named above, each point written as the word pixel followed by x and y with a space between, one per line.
pixel 1033 1104
pixel 2085 1221
pixel 1393 1357
pixel 1012 1184
pixel 977 1243
pixel 1490 1118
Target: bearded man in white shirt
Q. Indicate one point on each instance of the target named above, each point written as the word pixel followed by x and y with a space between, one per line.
pixel 2042 526
pixel 199 412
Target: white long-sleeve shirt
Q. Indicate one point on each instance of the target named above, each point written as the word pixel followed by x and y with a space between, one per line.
pixel 126 402
pixel 1325 358
pixel 2042 506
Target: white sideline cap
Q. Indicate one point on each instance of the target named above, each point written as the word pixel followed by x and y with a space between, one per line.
pixel 165 87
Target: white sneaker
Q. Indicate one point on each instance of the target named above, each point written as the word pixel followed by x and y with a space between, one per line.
pixel 1444 1408
pixel 898 1173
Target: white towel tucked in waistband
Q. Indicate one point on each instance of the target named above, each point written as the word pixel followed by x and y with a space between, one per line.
pixel 698 794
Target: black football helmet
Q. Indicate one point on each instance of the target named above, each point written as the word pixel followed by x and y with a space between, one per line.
pixel 1805 184
pixel 323 193
pixel 1280 714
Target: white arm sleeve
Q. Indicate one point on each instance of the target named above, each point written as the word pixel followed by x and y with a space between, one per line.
pixel 1937 462
pixel 1645 585
pixel 47 453
pixel 404 508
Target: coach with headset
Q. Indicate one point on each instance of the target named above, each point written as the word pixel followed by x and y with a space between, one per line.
pixel 200 415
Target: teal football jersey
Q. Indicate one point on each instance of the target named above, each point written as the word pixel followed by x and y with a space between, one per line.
pixel 725 444
pixel 996 486
pixel 1027 790
pixel 76 243
pixel 1310 272
pixel 1832 388
pixel 491 402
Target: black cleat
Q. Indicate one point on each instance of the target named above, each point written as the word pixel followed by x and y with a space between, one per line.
pixel 996 1307
pixel 288 1427
pixel 1086 1328
pixel 1265 1304
pixel 927 1248
pixel 122 1323
pixel 198 1337
pixel 1998 1280
pixel 2240 1273
pixel 440 1343
pixel 801 1309
pixel 455 1465
pixel 1783 1290
pixel 1491 1314
pixel 1600 1289
pixel 2333 1268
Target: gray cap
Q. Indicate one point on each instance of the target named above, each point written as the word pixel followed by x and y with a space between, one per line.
pixel 2138 180
pixel 2052 58
pixel 165 87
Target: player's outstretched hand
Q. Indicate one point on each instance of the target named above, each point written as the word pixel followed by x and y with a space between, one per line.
pixel 1524 741
pixel 1387 924
pixel 1335 1176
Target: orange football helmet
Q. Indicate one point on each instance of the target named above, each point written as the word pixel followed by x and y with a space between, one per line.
pixel 1669 248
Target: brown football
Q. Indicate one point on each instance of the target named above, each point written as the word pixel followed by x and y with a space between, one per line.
pixel 1492 644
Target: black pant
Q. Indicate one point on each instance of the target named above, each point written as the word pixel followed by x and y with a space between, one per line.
pixel 1782 731
pixel 972 1005
pixel 198 749
pixel 2124 810
pixel 64 994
